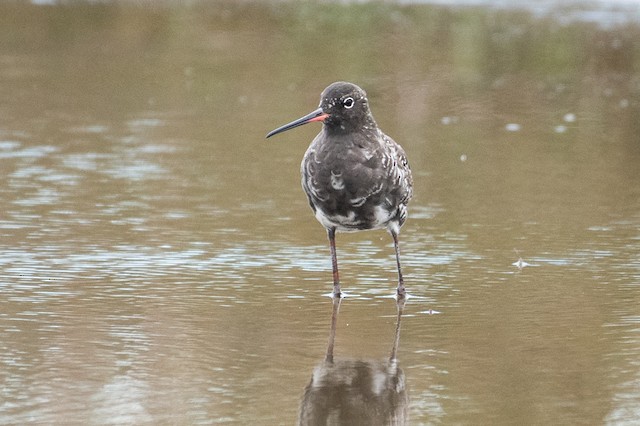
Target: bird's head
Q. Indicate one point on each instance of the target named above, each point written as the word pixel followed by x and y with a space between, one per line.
pixel 343 108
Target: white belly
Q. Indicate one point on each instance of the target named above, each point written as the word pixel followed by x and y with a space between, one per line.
pixel 351 223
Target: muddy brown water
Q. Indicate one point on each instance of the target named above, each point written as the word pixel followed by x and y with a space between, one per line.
pixel 159 263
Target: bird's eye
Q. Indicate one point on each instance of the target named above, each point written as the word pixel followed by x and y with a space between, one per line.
pixel 348 103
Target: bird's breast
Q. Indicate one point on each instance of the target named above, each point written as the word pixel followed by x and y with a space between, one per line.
pixel 354 183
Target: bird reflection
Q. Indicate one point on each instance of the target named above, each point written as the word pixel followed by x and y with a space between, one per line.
pixel 356 392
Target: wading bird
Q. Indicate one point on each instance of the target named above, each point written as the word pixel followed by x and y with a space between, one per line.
pixel 355 176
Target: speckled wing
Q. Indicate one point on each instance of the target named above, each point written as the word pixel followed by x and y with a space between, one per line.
pixel 358 182
pixel 399 176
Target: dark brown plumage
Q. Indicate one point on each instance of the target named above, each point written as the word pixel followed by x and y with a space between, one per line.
pixel 354 175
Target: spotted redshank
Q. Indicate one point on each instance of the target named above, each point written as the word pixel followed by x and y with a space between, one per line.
pixel 355 176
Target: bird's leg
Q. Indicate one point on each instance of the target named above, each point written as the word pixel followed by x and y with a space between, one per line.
pixel 331 232
pixel 401 290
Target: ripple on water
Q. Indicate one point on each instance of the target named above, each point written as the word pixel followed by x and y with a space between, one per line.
pixel 11 151
pixel 9 145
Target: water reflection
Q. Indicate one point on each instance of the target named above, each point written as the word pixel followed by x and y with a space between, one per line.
pixel 356 391
pixel 158 263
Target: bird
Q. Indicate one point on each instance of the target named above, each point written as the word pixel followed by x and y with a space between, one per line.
pixel 355 176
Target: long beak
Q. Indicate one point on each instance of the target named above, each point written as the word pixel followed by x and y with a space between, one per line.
pixel 317 115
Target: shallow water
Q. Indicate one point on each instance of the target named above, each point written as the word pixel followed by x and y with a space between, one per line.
pixel 159 262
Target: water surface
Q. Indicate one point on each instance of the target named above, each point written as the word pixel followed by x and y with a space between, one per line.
pixel 159 263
